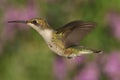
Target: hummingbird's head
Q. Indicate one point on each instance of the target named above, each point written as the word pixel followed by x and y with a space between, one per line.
pixel 35 23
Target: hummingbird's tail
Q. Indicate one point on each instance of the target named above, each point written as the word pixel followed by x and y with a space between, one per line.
pixel 98 52
pixel 79 50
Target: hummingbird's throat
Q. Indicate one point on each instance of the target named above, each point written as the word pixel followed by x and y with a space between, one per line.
pixel 47 34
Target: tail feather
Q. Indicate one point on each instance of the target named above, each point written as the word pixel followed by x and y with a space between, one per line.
pixel 98 52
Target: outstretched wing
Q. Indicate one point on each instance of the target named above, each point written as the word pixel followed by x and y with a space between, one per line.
pixel 74 31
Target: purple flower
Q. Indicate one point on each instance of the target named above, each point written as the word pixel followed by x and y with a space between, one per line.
pixel 80 59
pixel 59 68
pixel 13 13
pixel 112 66
pixel 114 21
pixel 25 13
pixel 90 72
pixel 75 62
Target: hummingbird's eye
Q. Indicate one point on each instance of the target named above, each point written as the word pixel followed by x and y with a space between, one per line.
pixel 34 22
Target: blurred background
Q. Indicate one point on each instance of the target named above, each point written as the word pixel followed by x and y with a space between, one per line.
pixel 25 56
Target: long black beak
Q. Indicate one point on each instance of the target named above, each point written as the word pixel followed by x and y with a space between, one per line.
pixel 17 21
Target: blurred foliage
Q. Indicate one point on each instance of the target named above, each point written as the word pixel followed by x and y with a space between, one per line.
pixel 27 57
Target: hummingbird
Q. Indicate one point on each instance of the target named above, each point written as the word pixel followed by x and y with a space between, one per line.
pixel 64 41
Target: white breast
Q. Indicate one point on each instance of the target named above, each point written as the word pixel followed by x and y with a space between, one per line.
pixel 55 48
pixel 46 34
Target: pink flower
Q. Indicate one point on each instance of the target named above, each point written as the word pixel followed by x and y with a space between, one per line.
pixel 90 72
pixel 75 62
pixel 59 68
pixel 114 21
pixel 13 13
pixel 112 66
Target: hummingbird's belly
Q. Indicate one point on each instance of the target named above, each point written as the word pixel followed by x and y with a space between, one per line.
pixel 61 51
pixel 57 49
pixel 69 52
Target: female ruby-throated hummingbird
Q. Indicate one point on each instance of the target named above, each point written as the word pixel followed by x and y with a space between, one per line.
pixel 65 40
